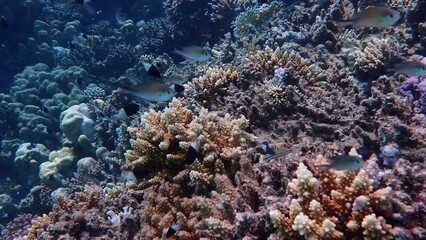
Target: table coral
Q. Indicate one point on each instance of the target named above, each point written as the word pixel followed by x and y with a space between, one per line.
pixel 335 206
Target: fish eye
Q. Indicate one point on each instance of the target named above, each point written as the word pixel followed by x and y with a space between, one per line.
pixel 391 15
pixel 357 161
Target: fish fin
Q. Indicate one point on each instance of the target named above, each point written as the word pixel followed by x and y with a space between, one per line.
pixel 345 23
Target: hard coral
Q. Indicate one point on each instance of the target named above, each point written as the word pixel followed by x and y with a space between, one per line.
pixel 213 84
pixel 205 19
pixel 82 217
pixel 334 207
pixel 163 138
pixel 269 59
pixel 372 59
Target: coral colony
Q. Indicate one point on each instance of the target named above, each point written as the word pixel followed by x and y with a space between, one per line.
pixel 215 119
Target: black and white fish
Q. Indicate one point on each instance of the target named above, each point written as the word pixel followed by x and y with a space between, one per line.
pixel 125 112
pixel 157 92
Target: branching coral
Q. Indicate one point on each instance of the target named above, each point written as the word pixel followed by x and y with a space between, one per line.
pixel 81 217
pixel 334 207
pixel 163 138
pixel 269 59
pixel 255 17
pixel 372 59
pixel 211 85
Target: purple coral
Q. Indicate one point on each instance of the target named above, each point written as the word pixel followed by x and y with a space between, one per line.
pixel 17 228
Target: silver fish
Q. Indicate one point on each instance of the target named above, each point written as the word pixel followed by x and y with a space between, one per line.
pixel 157 92
pixel 194 53
pixel 410 68
pixel 344 162
pixel 378 17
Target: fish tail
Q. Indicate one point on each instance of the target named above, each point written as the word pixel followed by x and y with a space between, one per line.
pixel 345 23
pixel 124 91
pixel 389 70
pixel 323 166
pixel 177 51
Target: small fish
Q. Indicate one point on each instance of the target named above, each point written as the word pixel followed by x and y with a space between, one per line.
pixel 126 111
pixel 410 68
pixel 267 149
pixel 194 53
pixel 344 162
pixel 82 1
pixel 373 17
pixel 173 230
pixel 79 82
pixel 271 153
pixel 176 79
pixel 153 71
pixel 46 109
pixel 4 23
pixel 278 153
pixel 157 92
pixel 49 131
pixel 71 45
pixel 192 152
pixel 120 18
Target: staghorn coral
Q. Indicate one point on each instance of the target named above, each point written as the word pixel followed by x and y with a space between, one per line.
pixel 212 84
pixel 335 206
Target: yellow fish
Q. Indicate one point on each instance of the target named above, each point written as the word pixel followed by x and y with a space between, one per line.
pixel 373 17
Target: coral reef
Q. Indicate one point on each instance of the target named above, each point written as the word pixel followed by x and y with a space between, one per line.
pixel 269 59
pixel 375 55
pixel 212 18
pixel 347 206
pixel 214 83
pixel 162 139
pixel 79 217
pixel 281 72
